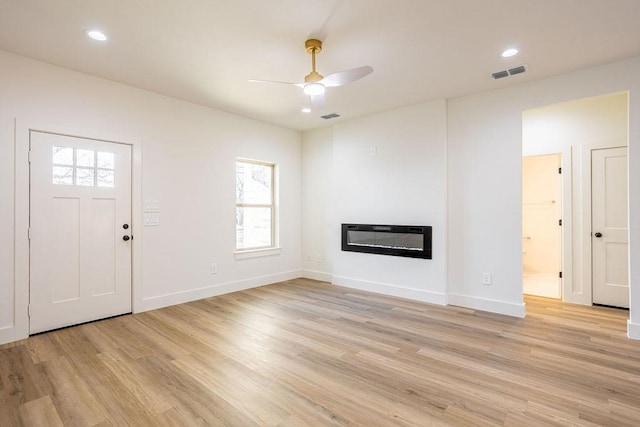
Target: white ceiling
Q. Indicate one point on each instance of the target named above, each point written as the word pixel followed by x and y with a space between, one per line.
pixel 204 51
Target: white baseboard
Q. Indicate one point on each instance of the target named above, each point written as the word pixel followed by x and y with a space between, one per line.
pixel 490 305
pixel 317 275
pixel 633 330
pixel 392 290
pixel 166 300
pixel 9 334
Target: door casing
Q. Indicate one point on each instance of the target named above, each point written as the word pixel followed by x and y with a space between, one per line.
pixel 23 127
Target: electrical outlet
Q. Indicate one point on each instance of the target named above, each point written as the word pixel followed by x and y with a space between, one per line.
pixel 214 268
pixel 486 278
pixel 309 258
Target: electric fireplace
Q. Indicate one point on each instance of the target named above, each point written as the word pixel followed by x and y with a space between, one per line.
pixel 413 241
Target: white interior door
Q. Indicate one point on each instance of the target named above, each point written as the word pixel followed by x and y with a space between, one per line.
pixel 609 230
pixel 80 217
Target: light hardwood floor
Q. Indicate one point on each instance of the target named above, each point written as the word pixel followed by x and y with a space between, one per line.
pixel 306 353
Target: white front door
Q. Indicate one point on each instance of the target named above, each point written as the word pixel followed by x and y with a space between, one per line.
pixel 80 230
pixel 609 228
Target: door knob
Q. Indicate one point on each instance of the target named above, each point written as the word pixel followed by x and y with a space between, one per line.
pixel 126 238
pixel 598 234
pixel 125 226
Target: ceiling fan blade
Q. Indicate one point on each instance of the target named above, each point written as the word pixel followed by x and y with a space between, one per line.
pixel 318 101
pixel 273 81
pixel 348 76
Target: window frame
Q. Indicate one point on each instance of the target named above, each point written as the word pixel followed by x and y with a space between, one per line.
pixel 273 206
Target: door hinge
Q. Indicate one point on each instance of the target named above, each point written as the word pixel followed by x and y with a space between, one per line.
pixel 560 222
pixel 560 274
pixel 29 156
pixel 29 233
pixel 29 309
pixel 559 170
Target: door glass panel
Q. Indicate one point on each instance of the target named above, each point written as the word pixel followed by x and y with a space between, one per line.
pixel 85 158
pixel 105 178
pixel 85 177
pixel 63 156
pixel 91 167
pixel 63 175
pixel 106 160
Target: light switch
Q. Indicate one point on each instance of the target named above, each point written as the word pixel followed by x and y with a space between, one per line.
pixel 151 219
pixel 151 206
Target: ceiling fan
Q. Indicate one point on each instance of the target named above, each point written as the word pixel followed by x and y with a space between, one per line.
pixel 315 84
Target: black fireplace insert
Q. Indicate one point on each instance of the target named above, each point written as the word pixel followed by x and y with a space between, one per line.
pixel 412 241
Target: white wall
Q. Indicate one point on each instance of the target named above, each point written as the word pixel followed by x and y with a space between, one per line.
pixel 466 150
pixel 485 176
pixel 188 154
pixel 577 127
pixel 404 183
pixel 483 201
pixel 317 176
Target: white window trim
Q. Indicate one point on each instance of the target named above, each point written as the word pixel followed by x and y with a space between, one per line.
pixel 257 253
pixel 274 249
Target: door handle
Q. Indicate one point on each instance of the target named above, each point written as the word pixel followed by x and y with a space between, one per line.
pixel 598 234
pixel 126 238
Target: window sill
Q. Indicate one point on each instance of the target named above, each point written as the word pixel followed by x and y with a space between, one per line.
pixel 255 253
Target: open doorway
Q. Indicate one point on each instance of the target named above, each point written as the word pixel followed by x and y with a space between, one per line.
pixel 577 131
pixel 541 225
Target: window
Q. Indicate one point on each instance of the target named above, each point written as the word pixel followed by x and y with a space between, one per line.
pixel 87 168
pixel 255 205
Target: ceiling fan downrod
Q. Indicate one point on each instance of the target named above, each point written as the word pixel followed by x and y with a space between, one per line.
pixel 313 46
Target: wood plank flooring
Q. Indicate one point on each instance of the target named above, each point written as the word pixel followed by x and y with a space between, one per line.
pixel 305 353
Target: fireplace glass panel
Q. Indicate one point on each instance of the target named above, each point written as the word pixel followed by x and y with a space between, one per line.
pixel 412 241
pixel 382 239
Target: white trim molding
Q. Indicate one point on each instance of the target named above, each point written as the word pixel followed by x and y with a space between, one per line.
pixel 490 305
pixel 317 275
pixel 160 301
pixel 633 330
pixel 431 297
pixel 257 253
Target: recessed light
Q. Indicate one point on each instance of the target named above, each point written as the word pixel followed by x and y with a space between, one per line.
pixel 507 53
pixel 306 110
pixel 96 35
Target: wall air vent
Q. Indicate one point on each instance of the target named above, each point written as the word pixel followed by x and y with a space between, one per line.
pixel 330 116
pixel 510 72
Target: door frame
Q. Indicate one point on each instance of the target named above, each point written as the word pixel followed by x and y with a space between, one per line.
pixel 587 241
pixel 568 287
pixel 23 128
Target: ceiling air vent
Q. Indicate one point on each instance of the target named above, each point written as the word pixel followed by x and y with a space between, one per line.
pixel 330 116
pixel 510 72
pixel 500 74
pixel 517 70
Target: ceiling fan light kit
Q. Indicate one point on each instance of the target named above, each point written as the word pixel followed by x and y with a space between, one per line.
pixel 315 83
pixel 314 89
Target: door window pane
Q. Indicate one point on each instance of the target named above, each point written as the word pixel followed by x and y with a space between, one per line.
pixel 85 177
pixel 85 158
pixel 62 156
pixel 106 160
pixel 105 178
pixel 63 175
